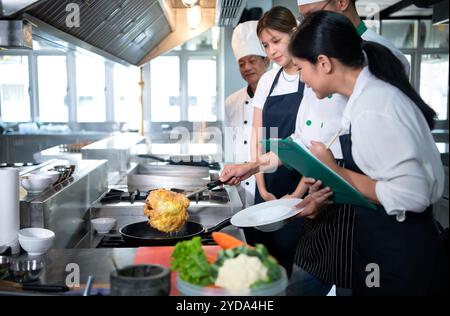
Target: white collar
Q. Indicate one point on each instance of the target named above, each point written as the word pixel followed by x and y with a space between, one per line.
pixel 363 78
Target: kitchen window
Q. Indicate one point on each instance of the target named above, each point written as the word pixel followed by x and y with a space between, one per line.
pixel 127 93
pixel 165 89
pixel 52 87
pixel 434 83
pixel 185 104
pixel 184 82
pixel 426 47
pixel 91 101
pixel 14 89
pixel 202 90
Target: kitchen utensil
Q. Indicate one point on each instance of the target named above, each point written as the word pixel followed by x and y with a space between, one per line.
pixel 103 224
pixel 140 280
pixel 88 288
pixel 142 234
pixel 36 183
pixel 277 288
pixel 268 216
pixel 208 186
pixel 36 241
pixel 44 287
pixel 26 270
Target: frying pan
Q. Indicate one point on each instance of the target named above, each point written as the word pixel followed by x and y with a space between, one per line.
pixel 142 234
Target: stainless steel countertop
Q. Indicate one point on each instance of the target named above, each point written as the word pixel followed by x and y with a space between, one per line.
pixel 95 262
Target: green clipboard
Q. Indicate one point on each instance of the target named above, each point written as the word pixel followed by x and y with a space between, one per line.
pixel 295 156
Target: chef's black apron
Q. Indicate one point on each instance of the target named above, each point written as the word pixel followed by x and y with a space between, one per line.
pixel 410 255
pixel 325 245
pixel 280 112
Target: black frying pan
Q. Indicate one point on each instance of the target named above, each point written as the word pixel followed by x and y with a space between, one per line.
pixel 142 234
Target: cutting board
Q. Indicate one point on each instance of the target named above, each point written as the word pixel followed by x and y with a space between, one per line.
pixel 161 255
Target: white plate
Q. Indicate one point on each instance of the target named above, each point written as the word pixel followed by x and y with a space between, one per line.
pixel 267 216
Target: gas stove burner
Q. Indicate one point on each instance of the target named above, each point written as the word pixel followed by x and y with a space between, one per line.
pixel 117 196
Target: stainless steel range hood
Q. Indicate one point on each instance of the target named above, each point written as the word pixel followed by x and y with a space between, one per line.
pixel 122 30
pixel 127 31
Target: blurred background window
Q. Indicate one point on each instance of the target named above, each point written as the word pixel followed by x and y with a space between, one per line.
pixel 14 87
pixel 91 101
pixel 127 93
pixel 202 90
pixel 434 83
pixel 165 89
pixel 52 84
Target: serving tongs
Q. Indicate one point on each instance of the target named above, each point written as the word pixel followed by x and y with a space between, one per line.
pixel 208 186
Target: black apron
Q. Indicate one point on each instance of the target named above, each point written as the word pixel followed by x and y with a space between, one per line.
pixel 280 112
pixel 410 254
pixel 325 244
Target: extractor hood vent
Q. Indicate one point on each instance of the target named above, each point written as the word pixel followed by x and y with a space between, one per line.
pixel 15 34
pixel 125 29
pixel 228 12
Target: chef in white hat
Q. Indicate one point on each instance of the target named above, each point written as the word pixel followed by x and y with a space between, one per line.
pixel 253 64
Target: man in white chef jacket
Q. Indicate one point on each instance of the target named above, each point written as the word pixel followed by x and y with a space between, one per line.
pixel 253 64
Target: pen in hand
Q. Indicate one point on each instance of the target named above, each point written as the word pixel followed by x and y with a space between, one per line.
pixel 333 139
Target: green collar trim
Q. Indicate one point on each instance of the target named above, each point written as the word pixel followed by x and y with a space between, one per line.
pixel 361 28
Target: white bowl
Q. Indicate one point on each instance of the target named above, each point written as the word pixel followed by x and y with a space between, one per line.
pixel 49 173
pixel 36 241
pixel 35 183
pixel 276 288
pixel 103 224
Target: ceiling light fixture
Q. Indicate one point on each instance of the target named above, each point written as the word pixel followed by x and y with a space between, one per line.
pixel 189 3
pixel 194 16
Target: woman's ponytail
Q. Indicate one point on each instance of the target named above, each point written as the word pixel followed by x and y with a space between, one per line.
pixel 387 67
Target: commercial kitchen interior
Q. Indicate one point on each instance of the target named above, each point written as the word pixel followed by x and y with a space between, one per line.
pixel 131 78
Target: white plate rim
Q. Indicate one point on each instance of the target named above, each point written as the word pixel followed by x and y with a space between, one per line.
pixel 267 222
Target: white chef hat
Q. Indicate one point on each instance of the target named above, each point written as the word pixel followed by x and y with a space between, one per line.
pixel 302 2
pixel 245 41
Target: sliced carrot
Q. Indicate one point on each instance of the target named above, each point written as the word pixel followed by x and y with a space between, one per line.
pixel 226 241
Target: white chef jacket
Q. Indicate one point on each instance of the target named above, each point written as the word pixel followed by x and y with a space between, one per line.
pixel 320 120
pixel 238 134
pixel 392 144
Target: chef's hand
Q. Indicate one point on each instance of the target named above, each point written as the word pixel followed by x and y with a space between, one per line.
pixel 267 196
pixel 313 185
pixel 233 174
pixel 325 155
pixel 314 201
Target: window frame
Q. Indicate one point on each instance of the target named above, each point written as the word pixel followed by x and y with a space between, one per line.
pixel 416 58
pixel 33 91
pixel 184 56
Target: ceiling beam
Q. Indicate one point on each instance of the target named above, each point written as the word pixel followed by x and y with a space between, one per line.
pixel 395 8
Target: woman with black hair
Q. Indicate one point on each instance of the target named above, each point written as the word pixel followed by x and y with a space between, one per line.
pixel 389 156
pixel 276 104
